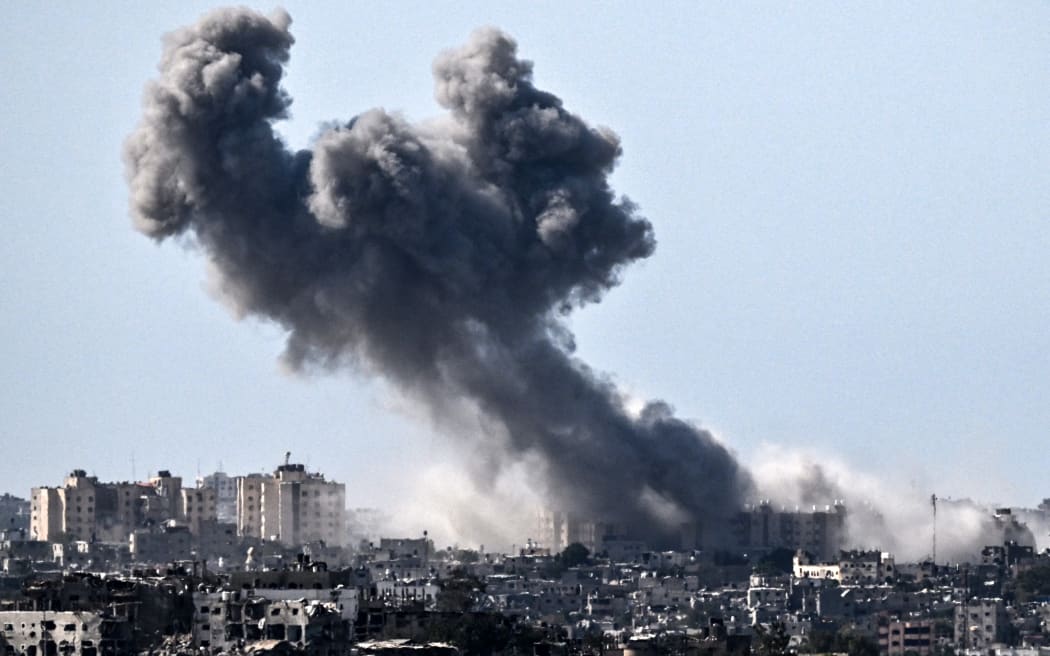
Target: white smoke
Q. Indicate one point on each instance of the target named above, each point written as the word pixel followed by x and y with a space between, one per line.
pixel 881 513
pixel 447 502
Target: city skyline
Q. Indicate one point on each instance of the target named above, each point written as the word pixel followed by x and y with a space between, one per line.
pixel 843 269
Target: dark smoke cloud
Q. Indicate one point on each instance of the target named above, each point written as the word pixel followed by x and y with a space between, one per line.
pixel 441 256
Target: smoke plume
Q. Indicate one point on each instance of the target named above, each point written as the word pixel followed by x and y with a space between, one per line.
pixel 441 256
pixel 890 515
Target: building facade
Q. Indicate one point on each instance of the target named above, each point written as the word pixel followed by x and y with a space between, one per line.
pixel 897 638
pixel 291 506
pixel 762 528
pixel 981 623
pixel 84 509
pixel 225 488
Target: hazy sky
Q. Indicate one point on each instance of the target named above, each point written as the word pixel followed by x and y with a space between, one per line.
pixel 851 203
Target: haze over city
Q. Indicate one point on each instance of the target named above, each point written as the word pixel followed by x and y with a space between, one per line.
pixel 849 219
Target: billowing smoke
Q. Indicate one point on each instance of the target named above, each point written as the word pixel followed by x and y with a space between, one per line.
pixel 441 256
pixel 882 514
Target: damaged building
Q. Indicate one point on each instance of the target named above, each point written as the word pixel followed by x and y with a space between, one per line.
pixel 80 633
pixel 85 509
pixel 309 608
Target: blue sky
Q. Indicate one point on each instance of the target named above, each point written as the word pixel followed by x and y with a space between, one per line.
pixel 851 204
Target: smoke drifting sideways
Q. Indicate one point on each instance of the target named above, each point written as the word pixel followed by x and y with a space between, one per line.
pixel 441 256
pixel 882 514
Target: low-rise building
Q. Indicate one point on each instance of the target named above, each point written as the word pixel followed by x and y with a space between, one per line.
pixel 319 621
pixel 80 633
pixel 898 637
pixel 804 567
pixel 872 567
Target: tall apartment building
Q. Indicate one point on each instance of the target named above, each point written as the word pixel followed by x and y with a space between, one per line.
pixel 818 531
pixel 761 528
pixel 85 509
pixel 557 530
pixel 292 507
pixel 225 487
pixel 82 509
pixel 196 506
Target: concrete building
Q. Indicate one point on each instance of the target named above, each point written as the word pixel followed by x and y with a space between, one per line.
pixel 166 543
pixel 762 528
pixel 225 487
pixel 320 621
pixel 80 633
pixel 980 624
pixel 14 513
pixel 197 506
pixel 871 567
pixel 1006 555
pixel 763 593
pixel 292 507
pixel 906 637
pixel 87 510
pixel 804 567
pixel 393 548
pixel 852 568
pixel 67 512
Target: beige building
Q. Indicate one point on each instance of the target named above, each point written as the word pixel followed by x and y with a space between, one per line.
pixel 225 488
pixel 292 507
pixel 196 506
pixel 67 512
pixel 85 509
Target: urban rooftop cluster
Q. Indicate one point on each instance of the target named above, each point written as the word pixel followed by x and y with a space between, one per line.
pixel 275 563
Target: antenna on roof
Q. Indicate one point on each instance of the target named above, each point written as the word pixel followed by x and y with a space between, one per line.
pixel 933 502
pixel 287 457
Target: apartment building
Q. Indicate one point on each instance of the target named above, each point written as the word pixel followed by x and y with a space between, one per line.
pixel 897 637
pixel 84 509
pixel 818 530
pixel 980 624
pixel 225 487
pixel 291 506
